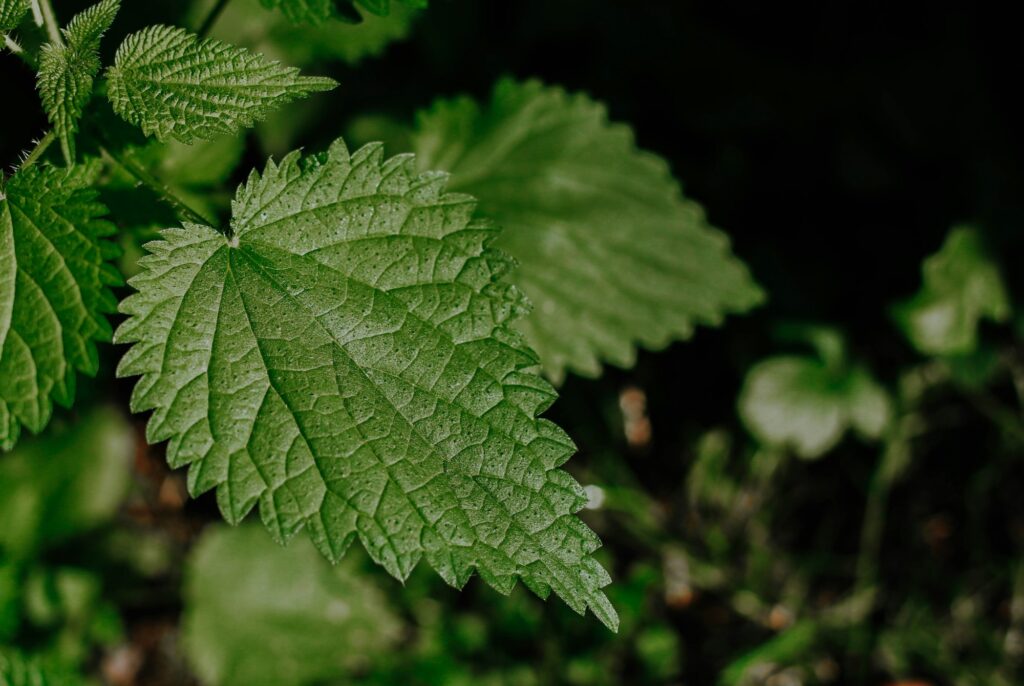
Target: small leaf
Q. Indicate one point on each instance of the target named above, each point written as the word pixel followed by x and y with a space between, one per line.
pixel 243 590
pixel 172 83
pixel 11 13
pixel 345 361
pixel 807 403
pixel 962 286
pixel 610 253
pixel 66 72
pixel 55 284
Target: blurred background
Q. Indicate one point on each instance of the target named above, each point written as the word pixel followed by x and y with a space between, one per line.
pixel 824 491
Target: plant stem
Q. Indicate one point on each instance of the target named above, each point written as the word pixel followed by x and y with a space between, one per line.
pixel 185 212
pixel 50 20
pixel 38 151
pixel 211 18
pixel 16 49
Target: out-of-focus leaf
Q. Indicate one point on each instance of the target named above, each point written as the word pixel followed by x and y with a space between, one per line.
pixel 259 614
pixel 244 23
pixel 807 403
pixel 17 669
pixel 66 482
pixel 610 253
pixel 332 11
pixel 962 286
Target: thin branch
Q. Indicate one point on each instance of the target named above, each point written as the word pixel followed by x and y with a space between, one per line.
pixel 211 18
pixel 16 49
pixel 144 176
pixel 38 151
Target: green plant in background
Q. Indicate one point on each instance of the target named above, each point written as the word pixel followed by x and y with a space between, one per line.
pixel 808 403
pixel 361 347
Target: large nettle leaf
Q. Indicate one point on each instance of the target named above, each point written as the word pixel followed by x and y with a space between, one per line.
pixel 345 360
pixel 609 251
pixel 172 83
pixel 54 290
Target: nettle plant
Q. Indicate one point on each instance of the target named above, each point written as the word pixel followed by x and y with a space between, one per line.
pixel 365 349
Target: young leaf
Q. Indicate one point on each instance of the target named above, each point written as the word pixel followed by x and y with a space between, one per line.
pixel 961 287
pixel 66 72
pixel 172 83
pixel 54 290
pixel 609 251
pixel 808 403
pixel 244 590
pixel 345 360
pixel 11 13
pixel 318 11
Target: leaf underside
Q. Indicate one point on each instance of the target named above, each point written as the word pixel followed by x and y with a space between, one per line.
pixel 172 83
pixel 345 361
pixel 609 252
pixel 54 292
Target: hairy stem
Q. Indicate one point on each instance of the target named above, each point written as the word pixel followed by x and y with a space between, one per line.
pixel 38 151
pixel 165 193
pixel 45 8
pixel 13 46
pixel 211 18
pixel 21 52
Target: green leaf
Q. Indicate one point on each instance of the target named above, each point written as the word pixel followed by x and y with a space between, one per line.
pixel 962 286
pixel 609 252
pixel 66 72
pixel 345 360
pixel 11 13
pixel 243 590
pixel 64 483
pixel 54 290
pixel 319 11
pixel 172 83
pixel 808 403
pixel 272 34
